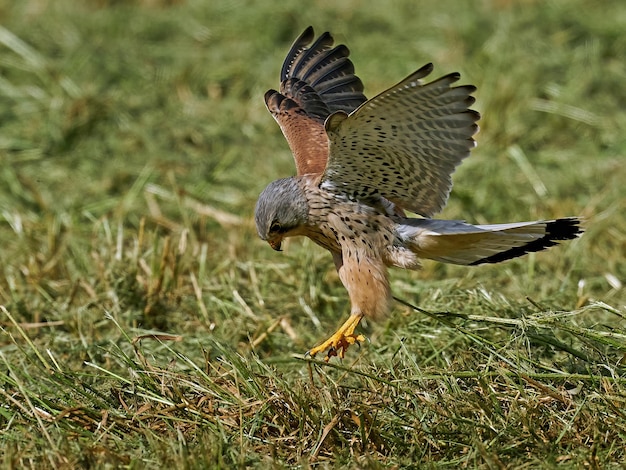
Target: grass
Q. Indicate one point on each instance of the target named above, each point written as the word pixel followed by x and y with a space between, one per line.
pixel 144 325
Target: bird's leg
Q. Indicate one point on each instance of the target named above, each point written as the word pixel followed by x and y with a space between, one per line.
pixel 341 339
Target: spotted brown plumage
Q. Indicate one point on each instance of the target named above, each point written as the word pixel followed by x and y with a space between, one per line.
pixel 362 163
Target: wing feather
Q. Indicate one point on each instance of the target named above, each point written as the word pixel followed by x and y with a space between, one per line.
pixel 404 144
pixel 317 80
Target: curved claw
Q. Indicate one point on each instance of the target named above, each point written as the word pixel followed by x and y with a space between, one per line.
pixel 339 342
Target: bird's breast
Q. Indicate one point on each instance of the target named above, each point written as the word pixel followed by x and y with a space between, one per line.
pixel 338 223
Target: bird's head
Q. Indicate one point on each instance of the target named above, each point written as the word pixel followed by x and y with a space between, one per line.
pixel 281 211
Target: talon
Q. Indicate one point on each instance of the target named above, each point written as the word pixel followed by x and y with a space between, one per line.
pixel 332 352
pixel 339 342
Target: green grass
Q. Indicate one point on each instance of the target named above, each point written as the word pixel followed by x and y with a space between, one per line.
pixel 144 325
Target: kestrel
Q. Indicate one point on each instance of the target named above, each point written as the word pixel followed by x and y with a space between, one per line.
pixel 362 163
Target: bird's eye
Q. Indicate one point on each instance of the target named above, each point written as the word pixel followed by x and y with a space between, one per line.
pixel 275 227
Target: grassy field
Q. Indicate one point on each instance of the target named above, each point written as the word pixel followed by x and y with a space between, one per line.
pixel 144 325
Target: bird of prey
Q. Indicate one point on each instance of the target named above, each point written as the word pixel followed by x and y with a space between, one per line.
pixel 363 164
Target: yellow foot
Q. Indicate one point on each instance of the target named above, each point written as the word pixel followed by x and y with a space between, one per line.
pixel 340 340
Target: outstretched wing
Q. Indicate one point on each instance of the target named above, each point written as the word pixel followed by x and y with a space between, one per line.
pixel 316 81
pixel 404 144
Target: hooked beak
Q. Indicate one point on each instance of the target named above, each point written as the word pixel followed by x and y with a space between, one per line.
pixel 275 244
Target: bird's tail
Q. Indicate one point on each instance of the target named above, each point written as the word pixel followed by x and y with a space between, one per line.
pixel 452 241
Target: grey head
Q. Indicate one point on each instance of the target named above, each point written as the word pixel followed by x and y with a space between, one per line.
pixel 281 210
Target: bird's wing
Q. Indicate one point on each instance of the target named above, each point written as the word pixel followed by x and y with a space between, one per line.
pixel 404 144
pixel 316 81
